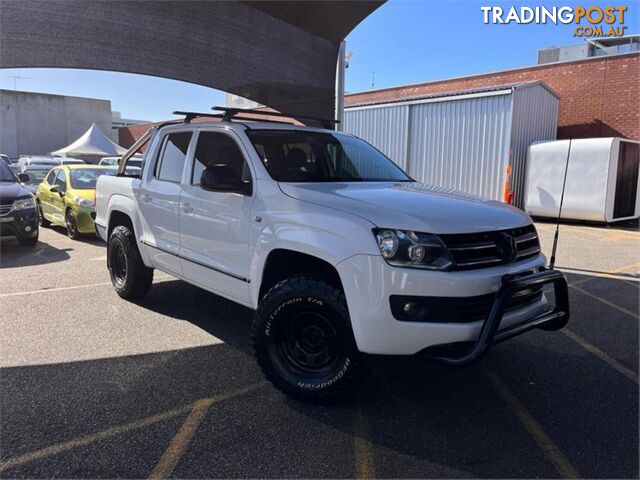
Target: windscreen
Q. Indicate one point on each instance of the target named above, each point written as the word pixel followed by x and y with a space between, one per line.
pixel 6 175
pixel 36 176
pixel 306 156
pixel 86 178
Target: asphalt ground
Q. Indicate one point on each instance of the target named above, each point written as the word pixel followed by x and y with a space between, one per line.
pixel 92 386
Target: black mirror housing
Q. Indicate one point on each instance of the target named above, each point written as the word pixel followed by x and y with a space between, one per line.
pixel 223 178
pixel 23 177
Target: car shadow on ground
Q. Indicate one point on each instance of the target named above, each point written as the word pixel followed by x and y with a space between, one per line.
pixel 12 254
pixel 411 418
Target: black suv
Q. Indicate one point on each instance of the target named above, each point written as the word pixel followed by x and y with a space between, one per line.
pixel 18 215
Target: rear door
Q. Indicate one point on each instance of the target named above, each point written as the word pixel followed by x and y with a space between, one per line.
pixel 159 201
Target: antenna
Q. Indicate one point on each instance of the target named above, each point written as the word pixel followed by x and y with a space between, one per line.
pixel 552 262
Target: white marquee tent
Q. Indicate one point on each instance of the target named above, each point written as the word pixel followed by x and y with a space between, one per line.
pixel 92 145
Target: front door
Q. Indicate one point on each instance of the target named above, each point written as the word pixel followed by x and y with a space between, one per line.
pixel 214 225
pixel 44 193
pixel 159 200
pixel 57 197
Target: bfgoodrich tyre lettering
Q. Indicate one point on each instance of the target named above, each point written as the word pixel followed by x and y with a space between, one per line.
pixel 303 342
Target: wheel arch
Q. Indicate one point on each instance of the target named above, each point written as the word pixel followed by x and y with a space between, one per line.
pixel 121 215
pixel 282 263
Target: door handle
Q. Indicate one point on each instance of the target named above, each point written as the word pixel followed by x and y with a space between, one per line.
pixel 187 208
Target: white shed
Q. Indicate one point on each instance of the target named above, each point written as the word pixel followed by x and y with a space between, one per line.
pixel 466 140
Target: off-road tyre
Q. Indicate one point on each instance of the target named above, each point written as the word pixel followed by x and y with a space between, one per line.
pixel 304 321
pixel 130 277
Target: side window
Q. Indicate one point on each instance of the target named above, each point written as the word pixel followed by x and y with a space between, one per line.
pixel 61 180
pixel 172 157
pixel 218 149
pixel 51 177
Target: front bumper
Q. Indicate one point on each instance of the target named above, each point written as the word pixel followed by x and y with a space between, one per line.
pixel 369 282
pixel 84 220
pixel 19 223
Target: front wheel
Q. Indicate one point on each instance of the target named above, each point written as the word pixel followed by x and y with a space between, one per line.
pixel 303 342
pixel 130 277
pixel 72 225
pixel 41 218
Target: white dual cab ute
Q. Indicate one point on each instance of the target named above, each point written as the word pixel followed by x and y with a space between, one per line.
pixel 339 252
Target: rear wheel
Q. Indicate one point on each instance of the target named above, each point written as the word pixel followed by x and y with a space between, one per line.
pixel 303 341
pixel 130 277
pixel 41 219
pixel 72 225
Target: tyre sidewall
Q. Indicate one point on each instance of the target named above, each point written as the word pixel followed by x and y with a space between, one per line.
pixel 117 240
pixel 73 234
pixel 278 306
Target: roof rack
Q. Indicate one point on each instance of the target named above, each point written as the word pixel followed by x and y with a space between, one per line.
pixel 188 116
pixel 230 112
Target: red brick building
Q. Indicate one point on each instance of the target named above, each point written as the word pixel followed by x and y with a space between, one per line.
pixel 599 96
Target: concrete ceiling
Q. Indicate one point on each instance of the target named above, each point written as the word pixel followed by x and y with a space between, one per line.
pixel 281 54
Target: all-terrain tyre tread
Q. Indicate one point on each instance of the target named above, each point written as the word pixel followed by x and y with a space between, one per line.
pixel 139 276
pixel 319 288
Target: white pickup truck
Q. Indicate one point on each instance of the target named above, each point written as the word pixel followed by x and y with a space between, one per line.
pixel 337 250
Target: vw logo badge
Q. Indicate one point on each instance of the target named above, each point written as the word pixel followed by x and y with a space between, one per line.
pixel 507 247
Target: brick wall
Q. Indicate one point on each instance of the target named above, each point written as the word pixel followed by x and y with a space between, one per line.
pixel 599 97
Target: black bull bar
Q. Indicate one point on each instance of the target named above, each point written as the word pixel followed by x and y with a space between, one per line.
pixel 552 319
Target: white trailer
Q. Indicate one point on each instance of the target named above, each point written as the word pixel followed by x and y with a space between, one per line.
pixel 602 179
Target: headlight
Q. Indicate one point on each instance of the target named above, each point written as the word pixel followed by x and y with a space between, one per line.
pixel 83 202
pixel 24 203
pixel 413 249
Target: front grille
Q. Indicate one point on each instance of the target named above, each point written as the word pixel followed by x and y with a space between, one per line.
pixel 458 310
pixel 487 249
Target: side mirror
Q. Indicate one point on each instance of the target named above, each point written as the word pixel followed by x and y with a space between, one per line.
pixel 23 177
pixel 57 189
pixel 223 178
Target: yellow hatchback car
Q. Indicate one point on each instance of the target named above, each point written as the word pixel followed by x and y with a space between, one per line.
pixel 65 197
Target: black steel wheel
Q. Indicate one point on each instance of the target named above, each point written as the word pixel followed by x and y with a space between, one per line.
pixel 303 342
pixel 130 277
pixel 72 224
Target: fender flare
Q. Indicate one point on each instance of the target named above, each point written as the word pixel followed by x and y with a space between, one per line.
pixel 127 206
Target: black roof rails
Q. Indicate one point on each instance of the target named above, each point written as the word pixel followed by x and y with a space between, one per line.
pixel 230 112
pixel 188 116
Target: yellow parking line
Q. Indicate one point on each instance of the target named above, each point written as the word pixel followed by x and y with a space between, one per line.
pixel 606 302
pixel 55 289
pixel 110 432
pixel 553 453
pixel 613 363
pixel 179 444
pixel 89 439
pixel 181 440
pixel 72 287
pixel 362 447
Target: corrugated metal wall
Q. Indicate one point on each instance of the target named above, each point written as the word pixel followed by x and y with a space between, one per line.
pixel 462 142
pixel 386 128
pixel 535 117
